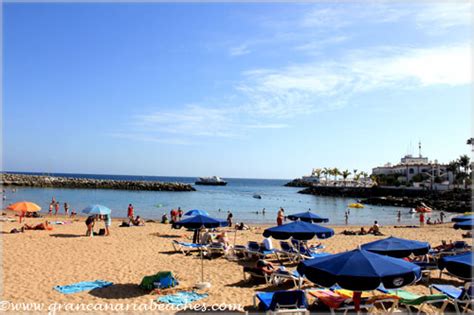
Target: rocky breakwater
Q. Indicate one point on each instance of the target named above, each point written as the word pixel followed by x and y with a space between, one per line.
pixel 42 181
pixel 298 182
pixel 457 200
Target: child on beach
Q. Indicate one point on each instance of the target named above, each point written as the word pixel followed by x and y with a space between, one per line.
pixel 90 221
pixel 229 218
pixel 50 212
pixel 280 216
pixel 180 213
pixel 130 214
pixel 108 223
pixel 56 207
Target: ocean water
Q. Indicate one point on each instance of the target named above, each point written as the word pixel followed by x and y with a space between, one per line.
pixel 236 196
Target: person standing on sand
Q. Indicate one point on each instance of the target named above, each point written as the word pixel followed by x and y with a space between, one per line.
pixel 130 213
pixel 280 216
pixel 180 213
pixel 422 219
pixel 108 223
pixel 56 207
pixel 229 218
pixel 50 212
pixel 441 217
pixel 66 208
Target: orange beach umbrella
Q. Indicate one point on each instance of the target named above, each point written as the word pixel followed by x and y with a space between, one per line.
pixel 24 206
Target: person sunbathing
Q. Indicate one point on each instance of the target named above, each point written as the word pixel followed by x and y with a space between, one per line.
pixel 444 246
pixel 265 267
pixel 137 221
pixel 40 226
pixel 362 231
pixel 375 229
pixel 242 226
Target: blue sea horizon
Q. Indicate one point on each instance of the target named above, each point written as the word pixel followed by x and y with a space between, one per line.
pixel 236 196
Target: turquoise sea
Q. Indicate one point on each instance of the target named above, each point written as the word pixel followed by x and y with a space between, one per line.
pixel 237 197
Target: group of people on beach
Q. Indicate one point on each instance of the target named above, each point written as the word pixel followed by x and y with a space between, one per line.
pixel 54 205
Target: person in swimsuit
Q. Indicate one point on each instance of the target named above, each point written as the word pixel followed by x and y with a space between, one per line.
pixel 90 221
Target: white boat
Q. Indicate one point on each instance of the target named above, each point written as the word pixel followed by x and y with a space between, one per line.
pixel 214 180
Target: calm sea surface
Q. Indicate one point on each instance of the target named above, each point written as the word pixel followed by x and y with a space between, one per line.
pixel 237 196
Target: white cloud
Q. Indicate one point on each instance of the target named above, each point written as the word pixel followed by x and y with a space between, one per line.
pixel 311 87
pixel 239 50
pixel 441 16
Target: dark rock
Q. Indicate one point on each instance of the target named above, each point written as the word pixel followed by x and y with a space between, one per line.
pixel 69 182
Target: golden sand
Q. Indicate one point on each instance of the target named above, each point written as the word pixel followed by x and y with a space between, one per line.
pixel 36 261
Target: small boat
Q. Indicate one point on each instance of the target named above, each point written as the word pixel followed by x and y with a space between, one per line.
pixel 212 181
pixel 356 205
pixel 257 196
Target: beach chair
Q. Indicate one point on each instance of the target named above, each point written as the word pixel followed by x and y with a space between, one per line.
pixel 281 302
pixel 254 249
pixel 255 273
pixel 287 251
pixel 214 249
pixel 186 248
pixel 387 302
pixel 280 276
pixel 411 300
pixel 336 302
pixel 460 297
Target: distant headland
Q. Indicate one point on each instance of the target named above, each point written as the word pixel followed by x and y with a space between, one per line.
pixel 44 181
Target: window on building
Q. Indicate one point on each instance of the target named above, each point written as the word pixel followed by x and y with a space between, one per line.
pixel 412 171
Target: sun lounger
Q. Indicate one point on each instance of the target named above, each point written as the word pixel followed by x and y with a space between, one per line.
pixel 280 302
pixel 280 276
pixel 257 274
pixel 186 248
pixel 254 249
pixel 338 299
pixel 287 251
pixel 411 300
pixel 460 297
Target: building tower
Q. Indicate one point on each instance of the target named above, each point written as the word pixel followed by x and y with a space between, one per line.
pixel 419 149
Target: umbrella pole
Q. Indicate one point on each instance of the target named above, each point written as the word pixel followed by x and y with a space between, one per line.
pixel 202 267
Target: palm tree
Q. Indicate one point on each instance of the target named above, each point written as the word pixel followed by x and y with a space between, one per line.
pixel 345 174
pixel 335 173
pixel 317 172
pixel 464 162
pixel 453 167
pixel 326 171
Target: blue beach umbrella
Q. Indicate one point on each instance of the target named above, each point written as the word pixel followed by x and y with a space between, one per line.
pixel 199 221
pixel 307 216
pixel 459 265
pixel 397 247
pixel 359 270
pixel 461 218
pixel 298 230
pixel 196 212
pixel 464 225
pixel 96 209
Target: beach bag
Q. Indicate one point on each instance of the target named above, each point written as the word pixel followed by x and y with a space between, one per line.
pixel 163 279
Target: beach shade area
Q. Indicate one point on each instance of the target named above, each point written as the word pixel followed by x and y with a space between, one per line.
pixel 196 212
pixel 298 230
pixel 359 270
pixel 464 217
pixel 464 225
pixel 307 216
pixel 200 221
pixel 96 210
pixel 458 265
pixel 397 247
pixel 24 206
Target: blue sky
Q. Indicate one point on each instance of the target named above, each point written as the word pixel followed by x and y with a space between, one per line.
pixel 236 89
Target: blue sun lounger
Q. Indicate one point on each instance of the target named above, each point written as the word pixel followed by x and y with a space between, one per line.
pixel 459 296
pixel 185 247
pixel 274 302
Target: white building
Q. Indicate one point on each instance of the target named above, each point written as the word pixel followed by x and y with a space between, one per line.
pixel 411 166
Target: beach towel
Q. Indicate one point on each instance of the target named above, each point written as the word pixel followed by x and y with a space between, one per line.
pixel 82 286
pixel 181 298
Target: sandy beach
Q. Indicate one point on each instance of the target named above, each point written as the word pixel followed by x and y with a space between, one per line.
pixel 36 261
